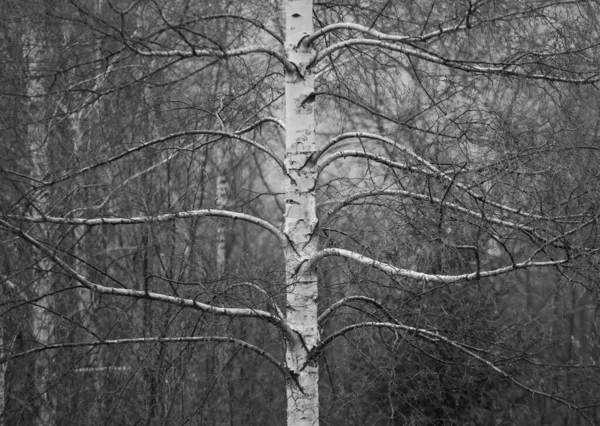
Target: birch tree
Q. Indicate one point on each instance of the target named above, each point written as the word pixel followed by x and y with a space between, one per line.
pixel 406 161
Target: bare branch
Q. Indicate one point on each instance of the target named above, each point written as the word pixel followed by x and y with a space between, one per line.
pixel 494 68
pixel 254 22
pixel 129 179
pixel 166 138
pixel 373 136
pixel 420 276
pixel 354 27
pixel 146 340
pixel 372 110
pixel 212 53
pixel 261 290
pixel 467 23
pixel 362 154
pixel 138 294
pixel 453 206
pixel 437 172
pixel 156 219
pixel 259 123
pixel 347 300
pixel 258 24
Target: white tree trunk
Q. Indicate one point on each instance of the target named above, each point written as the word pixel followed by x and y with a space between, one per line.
pixel 300 219
pixel 222 202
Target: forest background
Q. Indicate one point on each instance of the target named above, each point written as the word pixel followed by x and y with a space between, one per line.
pixel 268 212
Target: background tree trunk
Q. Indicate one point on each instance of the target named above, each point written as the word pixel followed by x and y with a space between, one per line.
pixel 38 50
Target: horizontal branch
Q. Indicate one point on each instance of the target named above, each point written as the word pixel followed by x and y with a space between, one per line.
pixel 145 340
pixel 504 69
pixel 155 219
pixel 213 53
pixel 420 276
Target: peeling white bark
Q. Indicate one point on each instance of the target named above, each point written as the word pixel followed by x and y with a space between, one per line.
pixel 300 218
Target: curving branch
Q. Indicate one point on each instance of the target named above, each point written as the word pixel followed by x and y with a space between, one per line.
pixel 556 241
pixel 270 299
pixel 378 35
pixel 429 278
pixel 346 301
pixel 155 219
pixel 116 189
pixel 366 135
pixel 326 161
pixel 467 22
pixel 449 177
pixel 143 340
pixel 253 126
pixel 529 230
pixel 435 337
pixel 166 138
pixel 362 154
pixel 158 297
